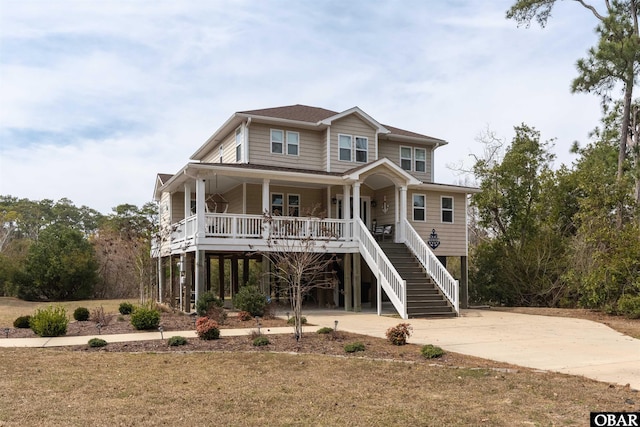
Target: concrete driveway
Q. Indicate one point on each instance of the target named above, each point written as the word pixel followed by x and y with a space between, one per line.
pixel 567 345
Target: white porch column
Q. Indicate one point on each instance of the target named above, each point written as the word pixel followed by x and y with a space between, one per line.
pixel 200 219
pixel 356 200
pixel 265 205
pixel 402 213
pixel 346 209
pixel 187 200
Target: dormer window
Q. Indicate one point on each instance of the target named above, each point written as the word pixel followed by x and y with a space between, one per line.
pixel 347 149
pixel 362 147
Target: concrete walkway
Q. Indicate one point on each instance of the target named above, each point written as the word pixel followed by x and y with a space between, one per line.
pixel 571 346
pixel 560 344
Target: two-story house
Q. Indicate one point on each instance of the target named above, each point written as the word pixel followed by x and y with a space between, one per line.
pixel 392 237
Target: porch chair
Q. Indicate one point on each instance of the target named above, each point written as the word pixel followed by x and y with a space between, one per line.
pixel 380 232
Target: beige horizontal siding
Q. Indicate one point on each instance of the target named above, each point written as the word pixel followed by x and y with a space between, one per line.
pixel 391 150
pixel 452 236
pixel 311 152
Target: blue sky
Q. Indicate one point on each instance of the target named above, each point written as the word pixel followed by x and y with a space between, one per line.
pixel 98 97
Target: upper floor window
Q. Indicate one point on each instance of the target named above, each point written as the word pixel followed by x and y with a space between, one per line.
pixel 421 160
pixel 239 144
pixel 293 204
pixel 221 152
pixel 446 204
pixel 362 147
pixel 344 142
pixel 293 143
pixel 277 141
pixel 419 207
pixel 405 158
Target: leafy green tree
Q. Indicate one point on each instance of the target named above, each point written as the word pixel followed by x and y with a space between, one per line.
pixel 521 259
pixel 61 265
pixel 614 61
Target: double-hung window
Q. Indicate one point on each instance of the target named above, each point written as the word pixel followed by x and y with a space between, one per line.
pixel 405 158
pixel 345 142
pixel 239 144
pixel 446 206
pixel 419 207
pixel 293 204
pixel 277 203
pixel 362 148
pixel 277 141
pixel 420 160
pixel 293 143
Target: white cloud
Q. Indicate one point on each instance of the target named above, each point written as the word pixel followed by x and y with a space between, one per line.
pixel 98 97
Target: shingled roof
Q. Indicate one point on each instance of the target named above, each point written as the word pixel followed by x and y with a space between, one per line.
pixel 306 113
pixel 302 113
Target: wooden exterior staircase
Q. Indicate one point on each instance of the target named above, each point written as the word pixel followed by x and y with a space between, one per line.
pixel 424 299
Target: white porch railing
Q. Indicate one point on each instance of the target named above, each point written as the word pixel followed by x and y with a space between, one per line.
pixel 443 279
pixel 239 226
pixel 387 276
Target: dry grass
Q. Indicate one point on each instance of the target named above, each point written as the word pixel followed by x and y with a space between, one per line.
pixel 230 382
pixel 111 389
pixel 11 308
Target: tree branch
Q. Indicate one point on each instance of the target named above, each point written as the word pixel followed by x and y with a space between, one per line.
pixel 593 9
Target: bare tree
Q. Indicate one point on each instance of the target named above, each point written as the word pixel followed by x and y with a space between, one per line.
pixel 299 253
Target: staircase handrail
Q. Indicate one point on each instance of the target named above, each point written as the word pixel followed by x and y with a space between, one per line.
pixel 441 276
pixel 387 275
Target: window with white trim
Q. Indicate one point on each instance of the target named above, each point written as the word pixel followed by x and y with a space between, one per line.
pixel 344 145
pixel 293 204
pixel 419 207
pixel 446 206
pixel 221 153
pixel 277 203
pixel 277 141
pixel 405 158
pixel 239 144
pixel 420 160
pixel 362 149
pixel 293 143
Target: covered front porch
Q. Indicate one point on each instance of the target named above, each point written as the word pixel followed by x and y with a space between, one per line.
pixel 212 209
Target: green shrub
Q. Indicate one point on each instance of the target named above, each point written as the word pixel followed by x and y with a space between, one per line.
pixel 81 314
pixel 397 335
pixel 22 322
pixel 50 321
pixel 207 329
pixel 206 302
pixel 292 320
pixel 629 306
pixel 97 342
pixel 353 347
pixel 144 318
pixel 431 351
pixel 177 341
pixel 244 316
pixel 249 298
pixel 261 341
pixel 325 330
pixel 125 308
